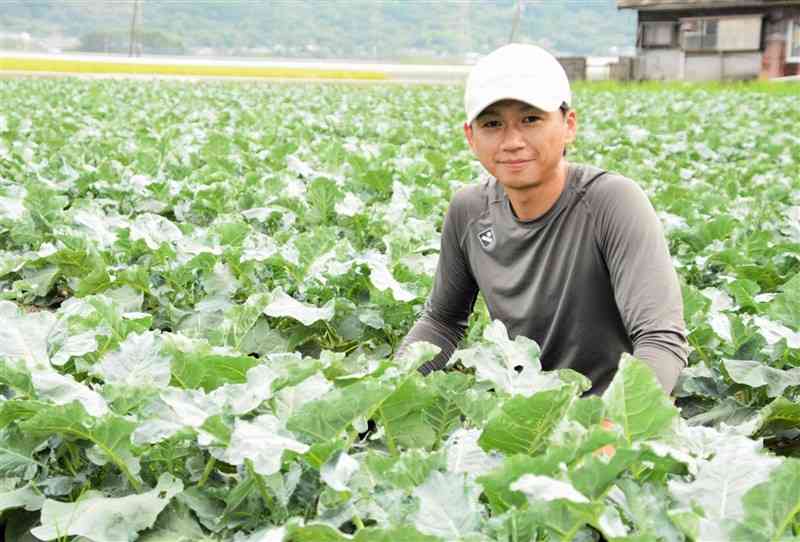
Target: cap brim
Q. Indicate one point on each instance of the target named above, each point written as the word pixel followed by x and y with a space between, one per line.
pixel 542 103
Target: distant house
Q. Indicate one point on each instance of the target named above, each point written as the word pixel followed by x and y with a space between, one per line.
pixel 697 40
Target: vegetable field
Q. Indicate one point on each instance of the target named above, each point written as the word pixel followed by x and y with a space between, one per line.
pixel 202 287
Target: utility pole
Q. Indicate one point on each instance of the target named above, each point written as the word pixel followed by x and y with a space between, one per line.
pixel 515 25
pixel 133 26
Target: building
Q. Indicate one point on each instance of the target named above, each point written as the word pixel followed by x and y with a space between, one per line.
pixel 701 40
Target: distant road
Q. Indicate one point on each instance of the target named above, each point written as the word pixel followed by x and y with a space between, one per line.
pixel 120 66
pixel 96 65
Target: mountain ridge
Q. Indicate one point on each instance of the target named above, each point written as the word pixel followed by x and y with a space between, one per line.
pixel 325 29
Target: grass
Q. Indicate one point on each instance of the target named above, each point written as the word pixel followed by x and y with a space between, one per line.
pixel 81 66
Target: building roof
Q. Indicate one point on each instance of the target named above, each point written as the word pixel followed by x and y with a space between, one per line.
pixel 700 4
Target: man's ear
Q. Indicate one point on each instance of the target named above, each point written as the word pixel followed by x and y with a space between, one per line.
pixel 571 119
pixel 469 135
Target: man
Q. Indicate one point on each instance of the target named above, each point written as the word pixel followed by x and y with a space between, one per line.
pixel 568 255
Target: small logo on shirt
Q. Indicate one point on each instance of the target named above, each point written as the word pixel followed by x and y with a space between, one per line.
pixel 486 237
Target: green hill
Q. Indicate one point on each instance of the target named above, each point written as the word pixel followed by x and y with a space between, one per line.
pixel 325 29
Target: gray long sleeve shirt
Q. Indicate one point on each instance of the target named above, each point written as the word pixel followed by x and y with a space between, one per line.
pixel 588 280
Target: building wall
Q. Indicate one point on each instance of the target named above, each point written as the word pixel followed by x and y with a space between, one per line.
pixel 741 65
pixel 575 67
pixel 660 64
pixel 774 63
pixel 674 63
pixel 721 66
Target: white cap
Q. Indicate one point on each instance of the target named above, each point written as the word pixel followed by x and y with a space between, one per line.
pixel 516 72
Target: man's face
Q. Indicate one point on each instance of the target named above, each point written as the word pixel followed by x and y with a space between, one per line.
pixel 520 145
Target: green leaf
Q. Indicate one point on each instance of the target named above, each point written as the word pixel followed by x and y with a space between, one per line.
pixel 636 401
pixel 16 376
pixel 721 482
pixel 154 230
pixel 597 473
pixel 323 194
pixel 786 305
pixel 18 410
pixel 557 506
pixel 100 518
pixel 448 506
pixel 24 336
pixel 338 470
pixel 18 525
pixel 464 455
pixel 511 366
pixel 238 321
pixel 138 362
pixel 283 304
pixel 320 452
pixel 478 405
pixel 587 411
pixel 756 374
pixel 743 291
pixel 45 206
pixel 523 424
pixel 545 488
pixel 443 414
pixel 208 509
pixel 25 497
pixel 235 497
pixel 729 411
pixel 405 471
pixel 111 434
pixel 772 506
pixel 261 441
pixel 563 519
pixel 314 532
pixel 201 369
pixel 382 279
pixel 36 282
pixel 406 533
pixel 325 418
pixel 496 484
pixel 701 381
pixel 16 454
pixel 289 399
pixel 779 415
pixel 217 427
pixel 515 525
pixel 644 505
pixel 317 532
pixel 175 524
pixel 402 414
pixel 62 389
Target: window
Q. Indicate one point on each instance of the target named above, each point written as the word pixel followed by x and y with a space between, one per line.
pixel 658 34
pixel 793 42
pixel 722 34
pixel 700 34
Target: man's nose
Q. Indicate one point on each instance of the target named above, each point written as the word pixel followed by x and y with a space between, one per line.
pixel 512 138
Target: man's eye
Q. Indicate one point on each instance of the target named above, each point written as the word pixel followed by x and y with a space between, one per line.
pixel 491 124
pixel 531 119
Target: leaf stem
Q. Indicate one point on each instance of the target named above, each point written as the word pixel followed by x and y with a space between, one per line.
pixel 785 523
pixel 389 440
pixel 262 488
pixel 699 350
pixel 210 464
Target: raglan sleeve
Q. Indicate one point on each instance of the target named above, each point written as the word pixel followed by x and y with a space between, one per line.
pixel 444 318
pixel 646 287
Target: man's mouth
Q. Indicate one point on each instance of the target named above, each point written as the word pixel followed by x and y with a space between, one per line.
pixel 514 163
